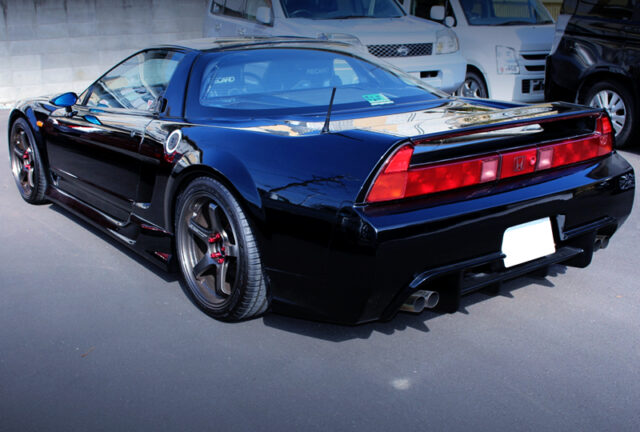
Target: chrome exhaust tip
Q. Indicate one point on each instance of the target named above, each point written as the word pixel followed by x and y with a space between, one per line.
pixel 420 300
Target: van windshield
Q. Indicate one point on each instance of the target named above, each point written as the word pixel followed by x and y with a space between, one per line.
pixel 333 9
pixel 505 12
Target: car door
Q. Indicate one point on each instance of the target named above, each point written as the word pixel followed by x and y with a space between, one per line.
pixel 94 149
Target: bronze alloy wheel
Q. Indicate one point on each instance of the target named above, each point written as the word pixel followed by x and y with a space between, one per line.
pixel 25 163
pixel 209 250
pixel 217 252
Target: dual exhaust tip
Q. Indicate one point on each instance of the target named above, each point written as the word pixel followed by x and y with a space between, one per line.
pixel 420 300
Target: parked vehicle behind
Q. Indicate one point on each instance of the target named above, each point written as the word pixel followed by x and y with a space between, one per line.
pixel 595 60
pixel 423 49
pixel 505 44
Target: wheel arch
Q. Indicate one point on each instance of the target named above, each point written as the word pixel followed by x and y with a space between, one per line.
pixel 603 75
pixel 472 67
pixel 28 113
pixel 243 190
pixel 13 116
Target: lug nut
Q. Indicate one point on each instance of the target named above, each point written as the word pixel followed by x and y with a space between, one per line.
pixel 215 238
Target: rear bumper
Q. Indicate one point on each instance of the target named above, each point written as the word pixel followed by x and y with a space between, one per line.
pixel 452 243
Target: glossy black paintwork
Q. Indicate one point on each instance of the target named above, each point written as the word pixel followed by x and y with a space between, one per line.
pixel 594 46
pixel 326 254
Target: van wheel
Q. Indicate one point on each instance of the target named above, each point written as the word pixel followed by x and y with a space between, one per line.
pixel 473 86
pixel 619 104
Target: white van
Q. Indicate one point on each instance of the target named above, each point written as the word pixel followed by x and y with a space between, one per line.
pixel 505 43
pixel 422 48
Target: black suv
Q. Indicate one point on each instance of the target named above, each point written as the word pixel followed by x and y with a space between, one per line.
pixel 595 60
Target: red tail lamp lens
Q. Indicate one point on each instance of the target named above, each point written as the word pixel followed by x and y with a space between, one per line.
pixel 391 183
pixel 399 180
pixel 454 175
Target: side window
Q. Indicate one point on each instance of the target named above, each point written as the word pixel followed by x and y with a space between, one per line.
pixel 137 83
pixel 422 8
pixel 232 8
pixel 217 6
pixel 608 9
pixel 253 5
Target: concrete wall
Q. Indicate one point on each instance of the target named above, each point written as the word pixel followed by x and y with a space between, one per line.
pixel 52 46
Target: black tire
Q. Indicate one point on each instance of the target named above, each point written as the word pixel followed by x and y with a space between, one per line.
pixel 473 86
pixel 217 252
pixel 620 105
pixel 26 164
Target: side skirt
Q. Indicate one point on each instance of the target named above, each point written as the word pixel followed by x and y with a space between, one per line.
pixel 148 240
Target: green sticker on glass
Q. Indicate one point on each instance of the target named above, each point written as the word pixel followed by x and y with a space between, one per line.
pixel 377 99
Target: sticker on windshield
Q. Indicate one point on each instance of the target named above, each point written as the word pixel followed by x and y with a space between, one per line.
pixel 377 99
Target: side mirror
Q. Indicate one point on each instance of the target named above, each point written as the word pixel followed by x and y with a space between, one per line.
pixel 449 21
pixel 65 100
pixel 437 13
pixel 264 16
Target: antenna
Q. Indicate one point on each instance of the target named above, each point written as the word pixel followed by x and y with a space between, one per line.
pixel 325 128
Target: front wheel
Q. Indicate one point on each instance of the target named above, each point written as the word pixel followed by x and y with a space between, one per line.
pixel 26 165
pixel 473 86
pixel 217 252
pixel 620 106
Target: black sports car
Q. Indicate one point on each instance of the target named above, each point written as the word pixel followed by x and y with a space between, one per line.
pixel 310 178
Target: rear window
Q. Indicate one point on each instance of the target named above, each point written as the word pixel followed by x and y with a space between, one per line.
pixel 299 80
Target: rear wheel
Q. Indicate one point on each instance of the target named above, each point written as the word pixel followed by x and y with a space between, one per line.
pixel 218 254
pixel 473 86
pixel 26 164
pixel 619 104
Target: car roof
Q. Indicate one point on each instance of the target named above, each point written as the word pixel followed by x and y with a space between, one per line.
pixel 221 44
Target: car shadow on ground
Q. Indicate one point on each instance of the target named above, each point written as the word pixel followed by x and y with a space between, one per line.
pixel 321 330
pixel 402 321
pixel 166 276
pixel 635 150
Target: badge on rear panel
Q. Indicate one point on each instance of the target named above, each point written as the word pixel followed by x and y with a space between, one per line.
pixel 377 99
pixel 526 242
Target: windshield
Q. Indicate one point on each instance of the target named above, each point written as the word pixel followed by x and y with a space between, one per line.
pixel 505 12
pixel 334 9
pixel 285 80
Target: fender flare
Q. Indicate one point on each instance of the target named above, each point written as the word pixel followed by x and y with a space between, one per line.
pixel 222 166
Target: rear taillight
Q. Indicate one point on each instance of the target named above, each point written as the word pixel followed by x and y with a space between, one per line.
pixel 391 183
pixel 398 179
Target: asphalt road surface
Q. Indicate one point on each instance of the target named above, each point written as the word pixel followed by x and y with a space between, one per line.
pixel 93 338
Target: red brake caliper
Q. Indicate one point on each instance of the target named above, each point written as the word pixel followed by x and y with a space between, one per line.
pixel 219 256
pixel 25 156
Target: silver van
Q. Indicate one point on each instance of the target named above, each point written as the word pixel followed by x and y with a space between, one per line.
pixel 424 49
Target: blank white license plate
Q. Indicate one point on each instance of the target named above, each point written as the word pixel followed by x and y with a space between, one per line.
pixel 526 242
